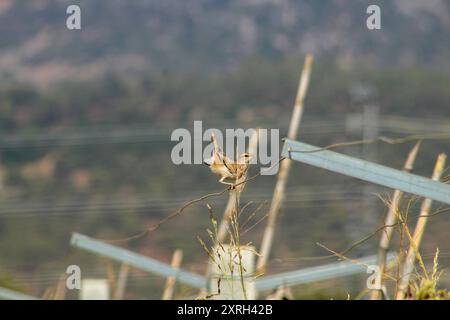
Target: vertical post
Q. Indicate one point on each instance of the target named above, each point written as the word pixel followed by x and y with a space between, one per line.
pixel 60 290
pixel 48 294
pixel 390 220
pixel 121 281
pixel 226 282
pixel 170 282
pixel 408 265
pixel 278 194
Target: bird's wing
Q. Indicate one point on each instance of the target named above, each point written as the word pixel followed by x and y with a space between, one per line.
pixel 231 166
pixel 242 170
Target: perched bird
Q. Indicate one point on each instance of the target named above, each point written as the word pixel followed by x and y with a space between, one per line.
pixel 226 168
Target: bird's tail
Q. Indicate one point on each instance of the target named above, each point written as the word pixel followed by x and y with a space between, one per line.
pixel 216 145
pixel 207 162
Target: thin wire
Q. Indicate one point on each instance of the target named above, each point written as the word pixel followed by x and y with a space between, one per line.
pixel 16 211
pixel 170 217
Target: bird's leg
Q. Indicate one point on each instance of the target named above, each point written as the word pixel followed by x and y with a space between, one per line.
pixel 231 186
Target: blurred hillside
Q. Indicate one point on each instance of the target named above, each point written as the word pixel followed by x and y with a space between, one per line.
pixel 205 35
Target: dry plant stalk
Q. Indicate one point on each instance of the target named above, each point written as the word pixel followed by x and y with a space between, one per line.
pixel 121 281
pixel 278 194
pixel 57 292
pixel 226 260
pixel 390 221
pixel 416 239
pixel 177 257
pixel 426 289
pixel 48 293
pixel 111 276
pixel 232 272
pixel 60 290
pixel 234 194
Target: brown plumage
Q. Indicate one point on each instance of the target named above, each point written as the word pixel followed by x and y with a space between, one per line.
pixel 224 167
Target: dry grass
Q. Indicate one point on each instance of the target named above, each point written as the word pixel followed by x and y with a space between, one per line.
pixel 426 288
pixel 228 258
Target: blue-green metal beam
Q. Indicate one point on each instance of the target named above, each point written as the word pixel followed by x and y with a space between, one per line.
pixel 292 278
pixel 319 273
pixel 136 260
pixel 7 294
pixel 367 171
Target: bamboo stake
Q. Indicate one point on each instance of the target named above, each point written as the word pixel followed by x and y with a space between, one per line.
pixel 48 294
pixel 111 277
pixel 390 221
pixel 121 282
pixel 170 283
pixel 413 251
pixel 278 194
pixel 60 290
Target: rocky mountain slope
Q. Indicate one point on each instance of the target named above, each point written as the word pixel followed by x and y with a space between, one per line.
pixel 206 35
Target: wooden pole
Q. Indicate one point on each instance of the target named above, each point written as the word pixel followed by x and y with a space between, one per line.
pixel 60 290
pixel 48 294
pixel 170 282
pixel 408 266
pixel 278 194
pixel 121 282
pixel 390 220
